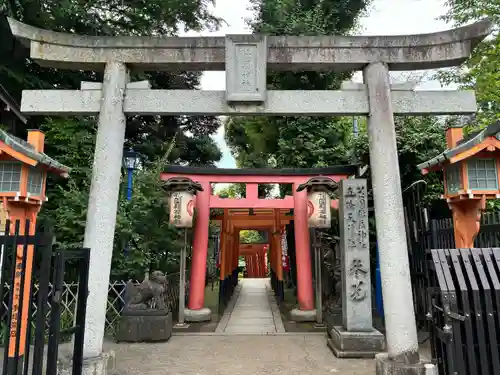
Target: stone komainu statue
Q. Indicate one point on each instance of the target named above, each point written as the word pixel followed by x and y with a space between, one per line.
pixel 148 296
pixel 146 315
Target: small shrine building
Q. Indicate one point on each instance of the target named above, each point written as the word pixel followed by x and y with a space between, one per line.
pixel 471 168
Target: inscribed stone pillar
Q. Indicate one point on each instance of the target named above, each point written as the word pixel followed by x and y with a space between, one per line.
pixel 402 344
pixel 355 256
pixel 103 202
pixel 196 311
pixel 356 338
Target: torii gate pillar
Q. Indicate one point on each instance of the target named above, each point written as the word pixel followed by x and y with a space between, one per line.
pixel 196 312
pixel 401 331
pixel 103 201
pixel 305 295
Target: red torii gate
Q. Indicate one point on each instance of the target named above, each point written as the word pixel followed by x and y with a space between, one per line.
pixel 255 259
pixel 232 221
pixel 205 200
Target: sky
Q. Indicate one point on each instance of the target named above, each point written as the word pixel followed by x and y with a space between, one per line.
pixel 385 17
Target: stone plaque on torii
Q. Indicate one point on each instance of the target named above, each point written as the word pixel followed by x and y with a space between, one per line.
pixel 246 58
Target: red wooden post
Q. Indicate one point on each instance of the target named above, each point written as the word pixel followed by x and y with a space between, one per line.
pixel 206 201
pixel 200 245
pixel 305 294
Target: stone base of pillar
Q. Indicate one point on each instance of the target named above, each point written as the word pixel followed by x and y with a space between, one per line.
pixel 297 315
pixel 385 366
pixel 144 328
pixel 346 344
pixel 202 315
pixel 101 365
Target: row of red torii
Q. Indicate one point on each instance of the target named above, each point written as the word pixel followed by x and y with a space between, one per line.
pixel 193 187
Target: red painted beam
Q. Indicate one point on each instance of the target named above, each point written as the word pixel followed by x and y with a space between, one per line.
pixel 286 203
pixel 217 202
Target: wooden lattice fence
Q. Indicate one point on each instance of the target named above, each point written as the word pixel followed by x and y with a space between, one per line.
pixel 116 291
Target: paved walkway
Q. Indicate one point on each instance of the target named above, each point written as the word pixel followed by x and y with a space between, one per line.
pixel 252 310
pixel 222 354
pixel 250 339
pixel 261 350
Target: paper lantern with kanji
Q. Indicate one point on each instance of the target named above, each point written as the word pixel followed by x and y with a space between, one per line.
pixel 182 209
pixel 182 200
pixel 319 201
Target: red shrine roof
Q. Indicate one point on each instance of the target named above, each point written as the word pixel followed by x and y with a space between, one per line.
pixel 465 148
pixel 35 157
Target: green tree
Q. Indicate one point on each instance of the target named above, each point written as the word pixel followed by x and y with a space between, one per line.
pixel 418 139
pixel 71 140
pixel 232 191
pixel 143 228
pixel 296 141
pixel 480 72
pixel 148 134
pixel 251 236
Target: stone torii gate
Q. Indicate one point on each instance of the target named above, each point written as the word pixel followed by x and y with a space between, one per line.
pixel 246 59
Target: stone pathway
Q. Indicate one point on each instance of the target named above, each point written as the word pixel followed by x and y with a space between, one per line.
pixel 243 346
pixel 224 354
pixel 252 310
pixel 250 339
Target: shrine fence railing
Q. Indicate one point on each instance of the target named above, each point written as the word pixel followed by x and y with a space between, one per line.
pixel 425 233
pixel 489 232
pixel 438 234
pixel 116 295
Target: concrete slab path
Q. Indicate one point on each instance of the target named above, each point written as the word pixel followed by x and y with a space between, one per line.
pixel 252 310
pixel 223 354
pixel 250 339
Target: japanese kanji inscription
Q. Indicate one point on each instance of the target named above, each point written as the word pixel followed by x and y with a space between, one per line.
pixel 355 255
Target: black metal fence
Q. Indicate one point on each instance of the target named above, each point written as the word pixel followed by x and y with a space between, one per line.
pixel 29 259
pixel 456 291
pixel 277 285
pixel 489 232
pixel 464 294
pixel 425 233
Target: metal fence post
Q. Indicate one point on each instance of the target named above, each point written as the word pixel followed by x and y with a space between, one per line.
pixel 182 283
pixel 434 234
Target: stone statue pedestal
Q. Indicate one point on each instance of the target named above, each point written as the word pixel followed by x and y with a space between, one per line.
pixel 346 344
pixel 145 326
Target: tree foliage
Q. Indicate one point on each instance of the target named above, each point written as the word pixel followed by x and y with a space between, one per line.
pixel 418 140
pixel 141 223
pixel 480 72
pixel 251 236
pixel 115 17
pixel 296 141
